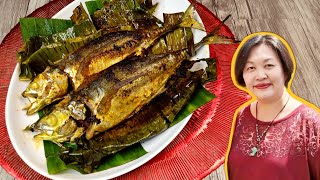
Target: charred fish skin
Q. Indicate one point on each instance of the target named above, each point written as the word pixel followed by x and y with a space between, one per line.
pixel 149 121
pixel 111 100
pixel 105 52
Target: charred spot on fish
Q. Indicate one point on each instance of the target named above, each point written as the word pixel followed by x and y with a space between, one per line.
pixel 105 39
pixel 126 93
pixel 117 48
pixel 110 75
pixel 137 36
pixel 128 46
pixel 163 67
pixel 131 44
pixel 93 119
pixel 88 121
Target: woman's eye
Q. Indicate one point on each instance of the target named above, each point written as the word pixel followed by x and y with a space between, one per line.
pixel 269 65
pixel 250 68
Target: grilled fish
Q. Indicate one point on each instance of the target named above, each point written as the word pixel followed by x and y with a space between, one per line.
pixel 85 64
pixel 116 95
pixel 151 120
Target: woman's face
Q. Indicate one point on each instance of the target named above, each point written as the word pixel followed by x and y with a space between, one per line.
pixel 263 73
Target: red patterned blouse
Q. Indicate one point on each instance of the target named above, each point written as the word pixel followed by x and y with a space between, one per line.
pixel 290 149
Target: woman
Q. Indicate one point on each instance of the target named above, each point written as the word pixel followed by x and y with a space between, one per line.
pixel 275 136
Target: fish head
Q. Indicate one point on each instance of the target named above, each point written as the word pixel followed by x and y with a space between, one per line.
pixel 60 124
pixel 49 86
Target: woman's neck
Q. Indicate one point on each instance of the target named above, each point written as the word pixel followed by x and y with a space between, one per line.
pixel 274 103
pixel 268 110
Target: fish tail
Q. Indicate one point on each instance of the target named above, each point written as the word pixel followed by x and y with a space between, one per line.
pixel 188 19
pixel 214 38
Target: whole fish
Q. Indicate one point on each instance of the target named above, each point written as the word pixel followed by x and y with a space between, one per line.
pixel 117 95
pixel 84 65
pixel 150 121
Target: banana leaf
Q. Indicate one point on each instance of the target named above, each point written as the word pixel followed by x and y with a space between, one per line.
pixel 79 15
pixel 31 27
pixel 201 98
pixel 131 13
pixel 56 31
pixel 42 27
pixel 55 164
pixel 50 54
pixel 181 38
pixel 93 6
pixel 34 43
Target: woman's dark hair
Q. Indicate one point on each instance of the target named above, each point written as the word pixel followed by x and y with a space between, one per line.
pixel 275 44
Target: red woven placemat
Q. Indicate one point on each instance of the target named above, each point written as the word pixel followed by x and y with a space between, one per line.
pixel 196 151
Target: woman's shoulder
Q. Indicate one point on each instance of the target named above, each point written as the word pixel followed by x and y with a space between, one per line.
pixel 244 109
pixel 309 115
pixel 244 112
pixel 308 111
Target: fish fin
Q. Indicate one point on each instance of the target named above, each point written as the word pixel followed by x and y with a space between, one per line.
pixel 188 20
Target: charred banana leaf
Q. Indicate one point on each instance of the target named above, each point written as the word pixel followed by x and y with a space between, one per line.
pixel 181 38
pixel 79 15
pixel 130 13
pixel 49 55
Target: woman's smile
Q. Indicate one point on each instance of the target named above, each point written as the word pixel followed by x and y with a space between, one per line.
pixel 262 85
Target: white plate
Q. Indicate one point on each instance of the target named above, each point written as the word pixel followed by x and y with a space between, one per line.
pixel 32 153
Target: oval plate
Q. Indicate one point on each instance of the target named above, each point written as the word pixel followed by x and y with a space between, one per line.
pixel 32 152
